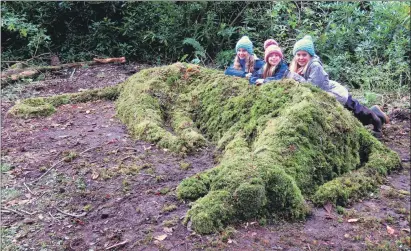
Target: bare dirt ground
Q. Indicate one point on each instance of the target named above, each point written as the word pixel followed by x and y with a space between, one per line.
pixel 77 181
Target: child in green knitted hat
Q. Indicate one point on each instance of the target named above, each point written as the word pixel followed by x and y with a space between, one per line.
pixel 275 66
pixel 245 61
pixel 308 66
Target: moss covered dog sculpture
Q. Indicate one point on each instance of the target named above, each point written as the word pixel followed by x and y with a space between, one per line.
pixel 281 143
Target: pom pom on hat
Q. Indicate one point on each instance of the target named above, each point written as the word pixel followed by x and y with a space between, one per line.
pixel 269 42
pixel 272 49
pixel 305 44
pixel 246 44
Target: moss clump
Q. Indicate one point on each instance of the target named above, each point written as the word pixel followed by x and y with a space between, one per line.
pixel 211 212
pixel 32 107
pixel 163 114
pixel 282 143
pixel 358 183
pixel 45 106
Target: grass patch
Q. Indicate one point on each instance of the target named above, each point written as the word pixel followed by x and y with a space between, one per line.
pixel 9 194
pixel 168 208
pixel 171 223
pixel 185 165
pixel 5 167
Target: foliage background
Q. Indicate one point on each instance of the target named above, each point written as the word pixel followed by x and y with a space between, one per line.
pixel 363 44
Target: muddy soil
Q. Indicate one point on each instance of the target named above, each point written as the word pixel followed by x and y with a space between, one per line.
pixel 77 181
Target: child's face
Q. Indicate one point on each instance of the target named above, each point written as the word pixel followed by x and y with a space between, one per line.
pixel 274 59
pixel 303 58
pixel 242 53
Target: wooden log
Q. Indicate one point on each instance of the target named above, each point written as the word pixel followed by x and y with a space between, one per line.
pixel 110 60
pixel 16 74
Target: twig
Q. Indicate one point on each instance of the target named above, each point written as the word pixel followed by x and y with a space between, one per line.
pixel 11 61
pixel 118 244
pixel 73 73
pixel 47 53
pixel 89 149
pixel 52 217
pixel 11 211
pixel 239 14
pixel 23 211
pixel 127 148
pixel 146 174
pixel 19 211
pixel 28 188
pixel 127 157
pixel 42 194
pixel 37 46
pixel 309 248
pixel 53 166
pixel 72 215
pixel 299 12
pixel 26 60
pixel 48 170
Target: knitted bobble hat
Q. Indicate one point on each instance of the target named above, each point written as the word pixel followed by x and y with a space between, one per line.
pixel 246 44
pixel 269 42
pixel 272 49
pixel 305 44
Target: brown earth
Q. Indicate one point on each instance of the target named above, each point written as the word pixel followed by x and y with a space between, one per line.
pixel 122 191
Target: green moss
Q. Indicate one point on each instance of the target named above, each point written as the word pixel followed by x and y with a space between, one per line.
pixel 168 208
pixel 282 143
pixel 45 106
pixel 211 212
pixel 191 189
pixel 249 199
pixel 33 107
pixel 185 165
pixel 358 183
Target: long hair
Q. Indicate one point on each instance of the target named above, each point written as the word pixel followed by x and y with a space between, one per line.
pixel 294 67
pixel 249 63
pixel 268 70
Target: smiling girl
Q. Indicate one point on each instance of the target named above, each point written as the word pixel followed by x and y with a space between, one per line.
pixel 309 66
pixel 274 68
pixel 245 62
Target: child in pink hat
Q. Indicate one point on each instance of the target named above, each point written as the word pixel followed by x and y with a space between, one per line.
pixel 275 66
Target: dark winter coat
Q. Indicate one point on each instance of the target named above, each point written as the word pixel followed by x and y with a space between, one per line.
pixel 231 71
pixel 277 74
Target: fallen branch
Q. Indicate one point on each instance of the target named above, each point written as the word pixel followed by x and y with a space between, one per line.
pixel 16 74
pixel 109 60
pixel 25 61
pixel 8 210
pixel 19 211
pixel 72 215
pixel 117 245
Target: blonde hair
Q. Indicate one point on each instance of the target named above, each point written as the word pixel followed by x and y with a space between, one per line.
pixel 249 63
pixel 268 70
pixel 294 66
